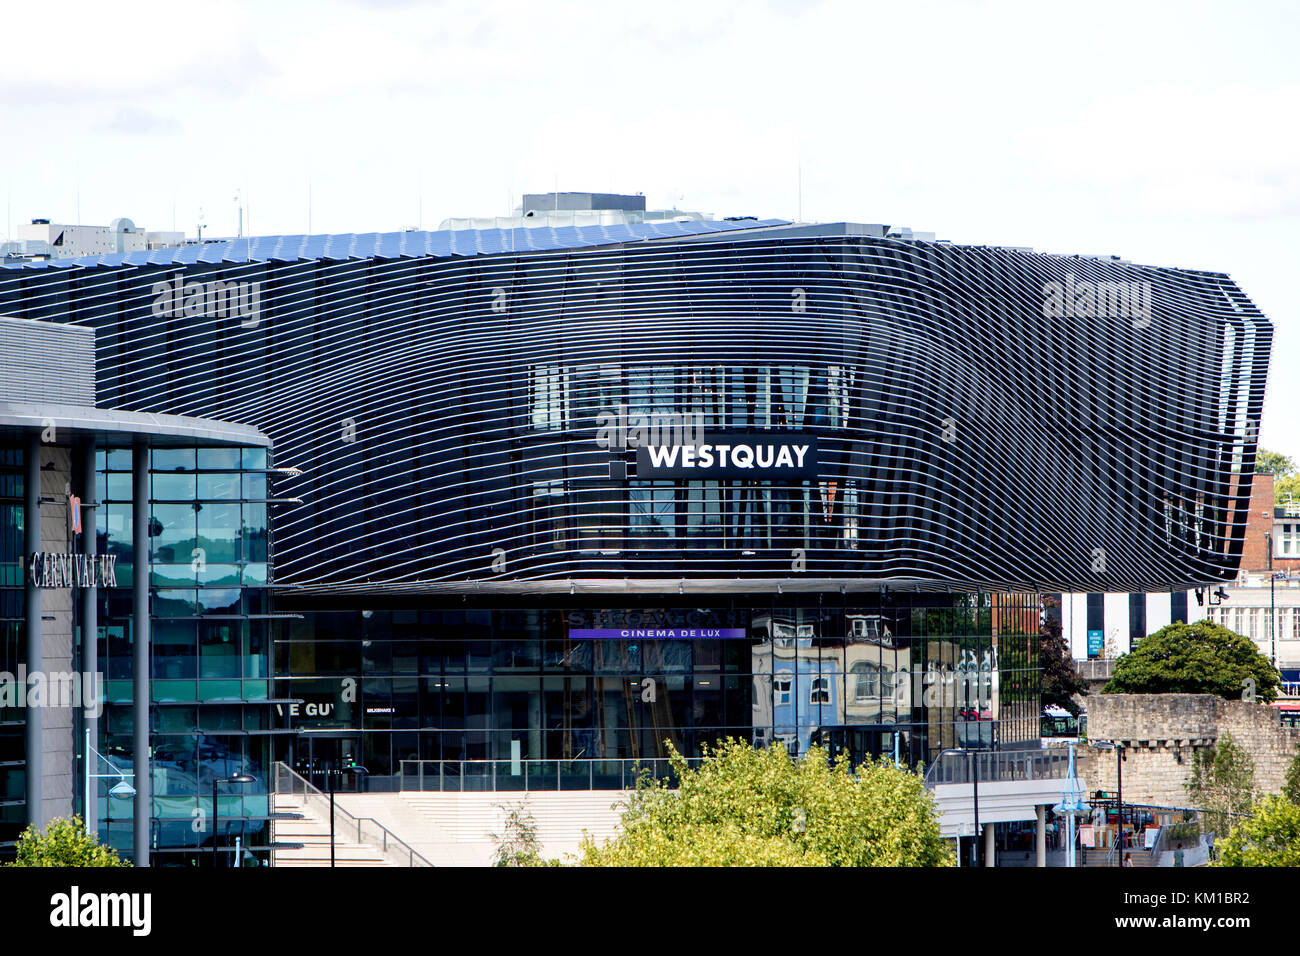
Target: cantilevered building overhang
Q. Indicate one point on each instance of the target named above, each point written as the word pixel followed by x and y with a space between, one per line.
pixel 464 406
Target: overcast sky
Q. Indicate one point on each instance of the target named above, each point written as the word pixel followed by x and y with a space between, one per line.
pixel 1168 133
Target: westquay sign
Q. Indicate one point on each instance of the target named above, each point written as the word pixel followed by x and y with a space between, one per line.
pixel 759 455
pixel 49 569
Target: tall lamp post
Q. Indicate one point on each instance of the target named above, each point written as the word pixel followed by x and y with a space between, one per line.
pixel 1119 789
pixel 972 771
pixel 1071 807
pixel 240 778
pixel 119 789
pixel 330 775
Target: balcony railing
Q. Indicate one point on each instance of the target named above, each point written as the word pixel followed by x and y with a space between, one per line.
pixel 471 776
pixel 998 765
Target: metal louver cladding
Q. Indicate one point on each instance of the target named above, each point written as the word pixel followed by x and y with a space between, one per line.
pixel 47 363
pixel 984 418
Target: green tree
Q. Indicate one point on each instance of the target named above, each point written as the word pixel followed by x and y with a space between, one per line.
pixel 1222 783
pixel 1291 785
pixel 1270 837
pixel 1060 681
pixel 518 843
pixel 747 806
pixel 1200 658
pixel 1273 463
pixel 64 842
pixel 1286 490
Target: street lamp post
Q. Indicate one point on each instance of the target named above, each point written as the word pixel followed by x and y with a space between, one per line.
pixel 119 789
pixel 972 769
pixel 1119 790
pixel 240 778
pixel 330 777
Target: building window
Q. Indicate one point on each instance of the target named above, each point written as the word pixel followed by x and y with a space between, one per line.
pixel 549 396
pixel 820 692
pixel 781 689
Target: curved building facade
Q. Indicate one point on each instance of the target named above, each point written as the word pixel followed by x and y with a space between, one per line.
pixel 767 468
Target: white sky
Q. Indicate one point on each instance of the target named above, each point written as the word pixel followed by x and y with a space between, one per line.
pixel 1168 133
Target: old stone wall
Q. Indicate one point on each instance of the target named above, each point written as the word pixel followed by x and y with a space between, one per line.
pixel 59 724
pixel 1163 732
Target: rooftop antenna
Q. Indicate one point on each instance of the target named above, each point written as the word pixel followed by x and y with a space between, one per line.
pixel 200 224
pixel 800 203
pixel 240 233
pixel 309 205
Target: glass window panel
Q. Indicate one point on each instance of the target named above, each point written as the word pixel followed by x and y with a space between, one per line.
pixel 220 574
pixel 218 458
pixel 174 487
pixel 255 574
pixel 118 540
pixel 117 487
pixel 174 654
pixel 254 457
pixel 173 575
pixel 219 649
pixel 118 459
pixel 172 532
pixel 219 532
pixel 172 459
pixel 219 487
pixel 218 600
pixel 175 603
pixel 173 690
pixel 254 486
pixel 254 532
pixel 220 690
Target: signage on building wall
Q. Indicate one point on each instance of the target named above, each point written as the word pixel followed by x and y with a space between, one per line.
pixel 656 633
pixel 49 569
pixel 653 624
pixel 759 455
pixel 1095 643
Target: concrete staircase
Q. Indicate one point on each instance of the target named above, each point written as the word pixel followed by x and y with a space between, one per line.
pixel 313 833
pixel 455 829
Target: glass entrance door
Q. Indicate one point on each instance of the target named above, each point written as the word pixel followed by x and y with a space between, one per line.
pixel 317 756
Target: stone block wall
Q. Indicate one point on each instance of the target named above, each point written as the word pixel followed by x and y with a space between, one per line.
pixel 1162 734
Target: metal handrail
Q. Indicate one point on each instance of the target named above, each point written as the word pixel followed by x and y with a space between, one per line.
pixel 532 774
pixel 299 784
pixel 997 765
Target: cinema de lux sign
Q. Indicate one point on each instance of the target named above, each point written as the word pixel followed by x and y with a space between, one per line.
pixel 664 625
pixel 762 455
pixel 51 569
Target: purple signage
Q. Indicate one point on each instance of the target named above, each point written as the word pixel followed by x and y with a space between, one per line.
pixel 655 633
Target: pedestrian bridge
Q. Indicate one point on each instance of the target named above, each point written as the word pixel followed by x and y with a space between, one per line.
pixel 1011 785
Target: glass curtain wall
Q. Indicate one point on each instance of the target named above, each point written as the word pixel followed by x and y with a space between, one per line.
pixel 210 653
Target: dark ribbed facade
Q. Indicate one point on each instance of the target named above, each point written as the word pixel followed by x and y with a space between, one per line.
pixel 446 411
pixel 479 522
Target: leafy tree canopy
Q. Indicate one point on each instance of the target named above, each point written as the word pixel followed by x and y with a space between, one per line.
pixel 1291 786
pixel 1060 681
pixel 519 844
pixel 1222 783
pixel 1271 837
pixel 1200 658
pixel 64 842
pixel 746 806
pixel 1273 463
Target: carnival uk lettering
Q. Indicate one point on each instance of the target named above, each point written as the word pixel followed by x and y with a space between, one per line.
pixel 49 569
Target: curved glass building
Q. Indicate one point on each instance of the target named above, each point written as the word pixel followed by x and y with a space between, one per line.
pixel 569 494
